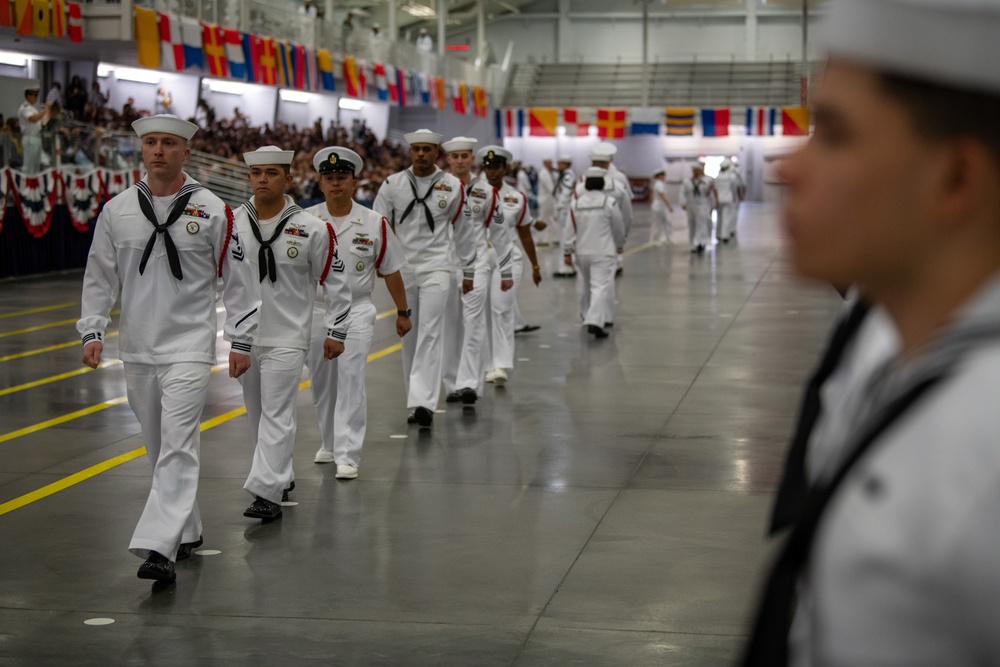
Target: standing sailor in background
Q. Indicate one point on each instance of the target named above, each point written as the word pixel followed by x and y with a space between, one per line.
pixel 425 205
pixel 562 194
pixel 546 201
pixel 162 244
pixel 31 121
pixel 291 251
pixel 596 232
pixel 368 248
pixel 698 197
pixel 659 222
pixel 729 188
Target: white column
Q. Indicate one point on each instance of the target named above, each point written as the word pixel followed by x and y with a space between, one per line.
pixel 442 12
pixel 562 31
pixel 481 32
pixel 391 20
pixel 751 30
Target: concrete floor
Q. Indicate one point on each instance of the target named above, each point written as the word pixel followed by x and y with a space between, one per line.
pixel 606 508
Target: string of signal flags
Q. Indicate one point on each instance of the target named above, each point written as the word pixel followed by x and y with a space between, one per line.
pixel 610 123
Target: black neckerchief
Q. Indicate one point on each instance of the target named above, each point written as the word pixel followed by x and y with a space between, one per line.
pixel 890 400
pixel 177 206
pixel 555 190
pixel 792 490
pixel 265 256
pixel 417 199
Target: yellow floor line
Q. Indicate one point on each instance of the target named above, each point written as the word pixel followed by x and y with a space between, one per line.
pixel 104 466
pixel 50 348
pixel 56 378
pixel 62 419
pixel 50 325
pixel 385 313
pixel 43 309
pixel 638 248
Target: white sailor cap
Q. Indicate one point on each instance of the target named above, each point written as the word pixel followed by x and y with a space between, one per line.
pixel 595 172
pixel 167 123
pixel 659 171
pixel 334 159
pixel 564 158
pixel 459 144
pixel 423 136
pixel 491 155
pixel 606 148
pixel 726 164
pixel 600 153
pixel 268 155
pixel 949 42
pixel 31 86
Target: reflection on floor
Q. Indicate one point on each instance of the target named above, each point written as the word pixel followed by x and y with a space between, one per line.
pixel 606 507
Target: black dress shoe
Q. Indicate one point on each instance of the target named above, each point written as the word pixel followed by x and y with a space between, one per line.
pixel 618 272
pixel 187 548
pixel 597 331
pixel 263 509
pixel 157 567
pixel 412 418
pixel 608 325
pixel 527 327
pixel 424 417
pixel 453 397
pixel 468 396
pixel 285 492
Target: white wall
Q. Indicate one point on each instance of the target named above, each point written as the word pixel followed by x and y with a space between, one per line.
pixel 376 116
pixel 305 114
pixel 448 123
pixel 257 102
pixel 183 92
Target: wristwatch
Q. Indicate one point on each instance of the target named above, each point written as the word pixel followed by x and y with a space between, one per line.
pixel 404 313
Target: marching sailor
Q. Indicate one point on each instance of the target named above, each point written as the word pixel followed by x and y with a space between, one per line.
pixel 562 194
pixel 698 198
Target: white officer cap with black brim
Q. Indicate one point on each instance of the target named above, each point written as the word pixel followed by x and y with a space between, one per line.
pixel 948 42
pixel 337 159
pixel 600 153
pixel 423 137
pixel 606 148
pixel 565 158
pixel 268 155
pixel 165 123
pixel 494 156
pixel 459 144
pixel 595 172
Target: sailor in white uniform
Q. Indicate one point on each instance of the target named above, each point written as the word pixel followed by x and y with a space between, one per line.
pixel 291 251
pixel 495 248
pixel 368 248
pixel 893 559
pixel 562 194
pixel 162 244
pixel 659 223
pixel 729 188
pixel 461 155
pixel 424 206
pixel 698 198
pixel 31 120
pixel 596 232
pixel 546 200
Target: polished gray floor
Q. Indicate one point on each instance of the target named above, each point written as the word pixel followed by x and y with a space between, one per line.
pixel 606 508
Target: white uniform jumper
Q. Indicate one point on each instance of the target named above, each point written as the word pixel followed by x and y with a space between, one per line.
pixel 494 251
pixel 563 195
pixel 31 138
pixel 727 186
pixel 301 251
pixel 366 245
pixel 696 194
pixel 426 215
pixel 454 332
pixel 659 224
pixel 546 202
pixel 503 305
pixel 597 231
pixel 168 334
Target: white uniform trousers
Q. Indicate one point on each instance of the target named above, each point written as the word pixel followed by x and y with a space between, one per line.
pixel 452 342
pixel 699 225
pixel 562 227
pixel 168 400
pixel 659 226
pixel 502 320
pixel 338 386
pixel 728 214
pixel 270 388
pixel 427 297
pixel 470 369
pixel 597 287
pixel 32 145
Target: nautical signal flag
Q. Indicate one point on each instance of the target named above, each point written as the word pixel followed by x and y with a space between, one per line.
pixel 351 79
pixel 6 17
pixel 795 121
pixel 171 44
pixel 75 26
pixel 325 66
pixel 715 122
pixel 147 37
pixel 236 59
pixel 268 60
pixel 645 121
pixel 479 101
pixel 58 18
pixel 611 123
pixel 461 97
pixel 41 17
pixel 510 122
pixel 23 17
pixel 680 121
pixel 542 122
pixel 191 38
pixel 401 79
pixel 760 121
pixel 215 49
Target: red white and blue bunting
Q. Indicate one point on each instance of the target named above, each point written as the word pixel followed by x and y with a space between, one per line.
pixel 37 195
